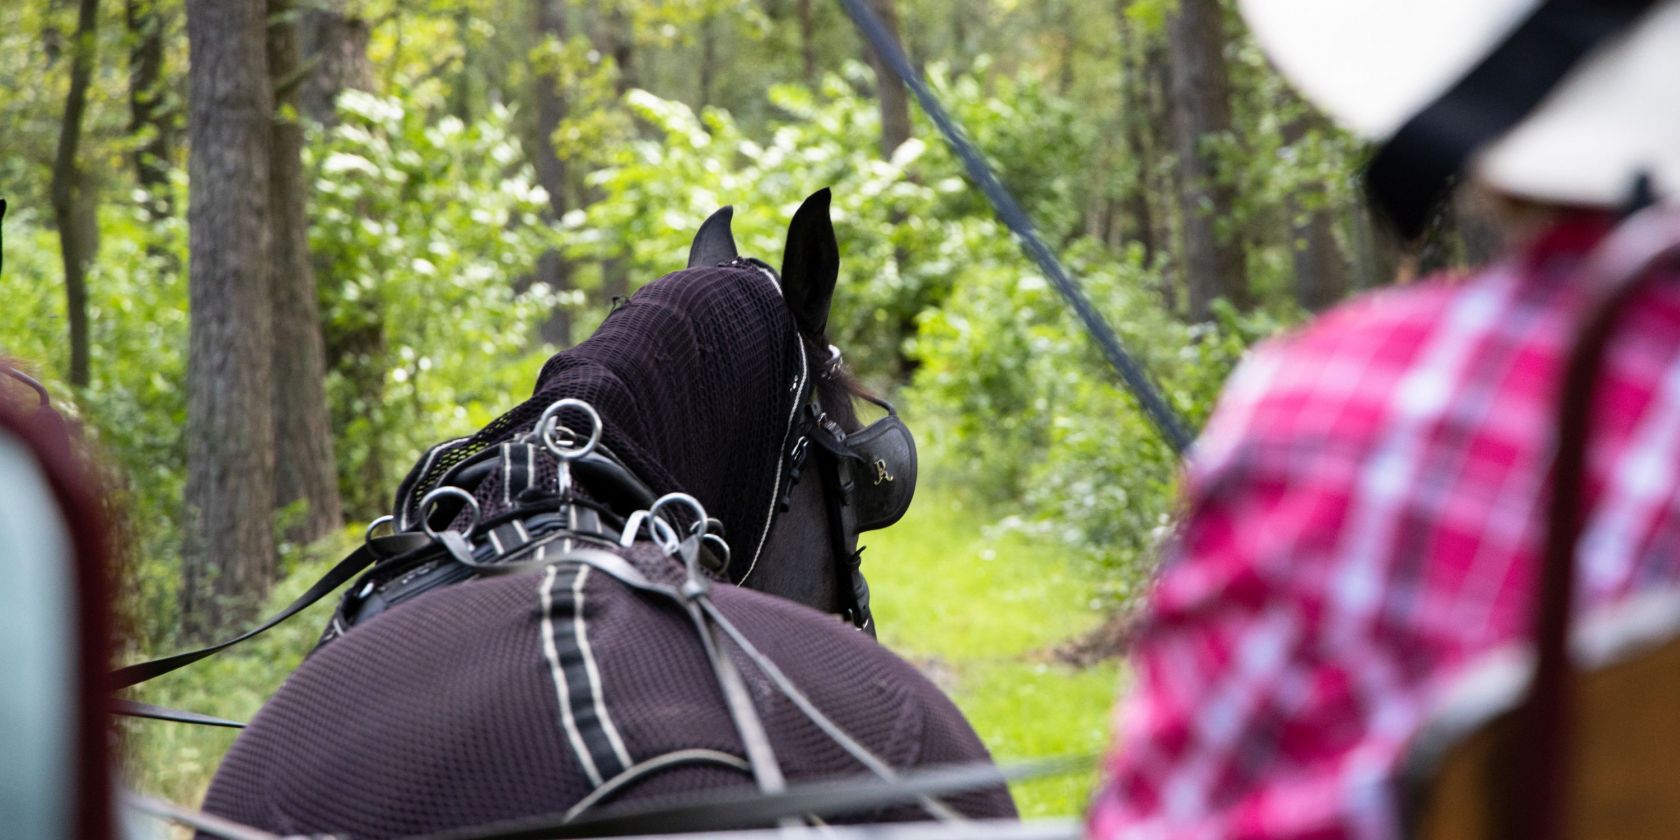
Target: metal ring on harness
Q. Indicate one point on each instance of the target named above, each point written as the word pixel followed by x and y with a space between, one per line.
pixel 697 582
pixel 661 531
pixel 698 529
pixel 720 546
pixel 438 493
pixel 549 423
pixel 386 520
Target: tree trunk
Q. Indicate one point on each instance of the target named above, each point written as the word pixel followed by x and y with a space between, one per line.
pixel 336 45
pixel 333 45
pixel 1479 237
pixel 552 269
pixel 1377 252
pixel 808 42
pixel 1214 265
pixel 1161 172
pixel 614 37
pixel 72 191
pixel 1319 267
pixel 228 562
pixel 147 113
pixel 889 91
pixel 305 470
pixel 1320 270
pixel 1139 152
pixel 461 91
pixel 708 59
pixel 1067 24
pixel 52 38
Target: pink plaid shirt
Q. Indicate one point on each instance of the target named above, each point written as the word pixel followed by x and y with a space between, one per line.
pixel 1364 515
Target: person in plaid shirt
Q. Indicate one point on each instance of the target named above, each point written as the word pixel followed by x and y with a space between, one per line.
pixel 1364 508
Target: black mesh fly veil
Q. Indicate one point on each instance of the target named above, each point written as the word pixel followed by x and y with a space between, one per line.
pixel 695 378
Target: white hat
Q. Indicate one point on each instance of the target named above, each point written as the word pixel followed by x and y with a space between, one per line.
pixel 1376 65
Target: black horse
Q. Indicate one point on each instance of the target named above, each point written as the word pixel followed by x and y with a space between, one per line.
pixel 587 678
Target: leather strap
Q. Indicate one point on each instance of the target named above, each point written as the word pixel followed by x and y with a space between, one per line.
pixel 374 549
pixel 205 824
pixel 1414 169
pixel 1616 269
pixel 836 473
pixel 134 708
pixel 724 810
pixel 761 757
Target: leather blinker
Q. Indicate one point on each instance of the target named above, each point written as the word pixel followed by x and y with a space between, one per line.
pixel 884 474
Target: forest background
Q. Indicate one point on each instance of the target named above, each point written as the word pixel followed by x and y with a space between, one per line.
pixel 342 230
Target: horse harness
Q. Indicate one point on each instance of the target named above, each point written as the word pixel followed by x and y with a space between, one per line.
pixel 442 541
pixel 580 534
pixel 870 476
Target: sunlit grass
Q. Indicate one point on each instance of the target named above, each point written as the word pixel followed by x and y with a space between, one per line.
pixel 975 611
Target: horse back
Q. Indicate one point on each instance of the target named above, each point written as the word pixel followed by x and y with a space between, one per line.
pixel 526 694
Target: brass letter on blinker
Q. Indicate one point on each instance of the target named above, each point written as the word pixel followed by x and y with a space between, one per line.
pixel 881 473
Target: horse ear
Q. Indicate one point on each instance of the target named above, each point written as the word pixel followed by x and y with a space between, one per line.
pixel 713 243
pixel 811 264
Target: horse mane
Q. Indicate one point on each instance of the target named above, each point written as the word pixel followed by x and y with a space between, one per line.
pixel 836 386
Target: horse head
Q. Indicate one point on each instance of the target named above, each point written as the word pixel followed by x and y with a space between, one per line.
pixel 854 478
pixel 719 381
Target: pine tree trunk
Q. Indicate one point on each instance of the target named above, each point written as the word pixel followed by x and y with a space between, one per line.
pixel 336 45
pixel 1480 239
pixel 146 108
pixel 889 91
pixel 305 470
pixel 552 268
pixel 52 38
pixel 73 196
pixel 1377 252
pixel 1139 152
pixel 461 90
pixel 333 47
pixel 708 59
pixel 1161 173
pixel 1214 265
pixel 1320 269
pixel 228 562
pixel 613 36
pixel 808 42
pixel 621 40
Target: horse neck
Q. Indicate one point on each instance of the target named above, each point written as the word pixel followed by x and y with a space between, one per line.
pixel 797 562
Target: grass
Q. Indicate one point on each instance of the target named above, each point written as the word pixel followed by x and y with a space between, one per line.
pixel 972 611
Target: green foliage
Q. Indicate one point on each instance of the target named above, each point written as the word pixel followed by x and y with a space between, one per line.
pixel 421 226
pixel 135 408
pixel 1017 398
pixel 420 229
pixel 908 227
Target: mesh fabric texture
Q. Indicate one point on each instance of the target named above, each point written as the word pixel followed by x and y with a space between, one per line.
pixel 442 712
pixel 694 379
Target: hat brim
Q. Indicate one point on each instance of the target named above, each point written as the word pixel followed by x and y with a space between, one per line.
pixel 1372 65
